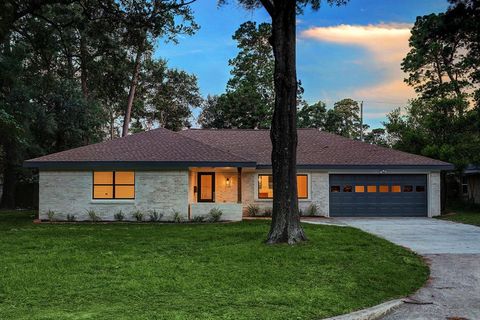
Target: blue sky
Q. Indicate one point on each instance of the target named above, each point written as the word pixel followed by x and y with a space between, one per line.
pixel 351 51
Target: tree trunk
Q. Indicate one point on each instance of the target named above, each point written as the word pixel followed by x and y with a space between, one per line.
pixel 131 93
pixel 285 225
pixel 83 66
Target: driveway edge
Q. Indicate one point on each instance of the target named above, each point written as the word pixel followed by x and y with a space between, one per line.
pixel 372 313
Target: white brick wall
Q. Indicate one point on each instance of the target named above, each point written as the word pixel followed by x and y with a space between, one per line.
pixel 230 211
pixel 70 192
pixel 319 186
pixel 434 194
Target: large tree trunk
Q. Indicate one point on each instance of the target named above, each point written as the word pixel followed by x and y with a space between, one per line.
pixel 131 93
pixel 285 225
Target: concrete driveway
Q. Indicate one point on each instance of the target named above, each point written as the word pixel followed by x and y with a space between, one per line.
pixel 453 252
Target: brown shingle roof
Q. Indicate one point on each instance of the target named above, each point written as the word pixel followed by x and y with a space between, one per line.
pixel 315 148
pixel 155 146
pixel 228 147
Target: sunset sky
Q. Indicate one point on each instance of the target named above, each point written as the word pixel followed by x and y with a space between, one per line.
pixel 353 51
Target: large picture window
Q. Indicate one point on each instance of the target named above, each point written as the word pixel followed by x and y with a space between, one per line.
pixel 113 185
pixel 265 186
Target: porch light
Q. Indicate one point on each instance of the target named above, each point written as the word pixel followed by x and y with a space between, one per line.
pixel 228 182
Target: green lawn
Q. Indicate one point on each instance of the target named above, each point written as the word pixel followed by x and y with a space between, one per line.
pixel 208 271
pixel 463 216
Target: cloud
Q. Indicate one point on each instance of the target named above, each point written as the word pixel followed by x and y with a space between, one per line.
pixel 386 45
pixel 387 42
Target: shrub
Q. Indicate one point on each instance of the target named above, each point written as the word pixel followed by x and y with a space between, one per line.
pixel 267 212
pixel 93 215
pixel 253 210
pixel 71 217
pixel 51 215
pixel 198 219
pixel 214 215
pixel 119 216
pixel 177 216
pixel 138 215
pixel 311 210
pixel 155 216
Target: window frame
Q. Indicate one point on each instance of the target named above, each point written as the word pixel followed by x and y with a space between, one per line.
pixel 256 187
pixel 199 186
pixel 113 185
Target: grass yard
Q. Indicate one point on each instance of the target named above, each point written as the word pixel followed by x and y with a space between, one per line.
pixel 468 216
pixel 208 271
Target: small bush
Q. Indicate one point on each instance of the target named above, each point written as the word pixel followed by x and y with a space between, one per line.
pixel 253 210
pixel 198 219
pixel 155 216
pixel 51 215
pixel 93 215
pixel 311 210
pixel 138 215
pixel 119 216
pixel 71 217
pixel 177 216
pixel 267 212
pixel 214 215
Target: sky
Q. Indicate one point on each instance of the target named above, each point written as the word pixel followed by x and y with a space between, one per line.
pixel 352 51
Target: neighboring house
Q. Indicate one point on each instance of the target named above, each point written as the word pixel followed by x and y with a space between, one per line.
pixel 195 170
pixel 471 184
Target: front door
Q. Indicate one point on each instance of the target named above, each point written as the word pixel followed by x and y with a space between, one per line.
pixel 206 187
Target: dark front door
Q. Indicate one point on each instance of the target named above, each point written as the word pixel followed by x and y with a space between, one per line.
pixel 378 195
pixel 206 187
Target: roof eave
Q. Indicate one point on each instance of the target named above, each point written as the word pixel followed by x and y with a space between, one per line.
pixel 70 165
pixel 359 166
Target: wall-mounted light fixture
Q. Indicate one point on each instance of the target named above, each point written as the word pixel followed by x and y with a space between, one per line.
pixel 228 182
pixel 383 171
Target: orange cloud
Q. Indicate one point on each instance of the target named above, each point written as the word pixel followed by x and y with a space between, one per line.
pixel 386 45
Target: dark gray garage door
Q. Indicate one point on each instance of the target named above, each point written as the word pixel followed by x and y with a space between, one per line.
pixel 378 195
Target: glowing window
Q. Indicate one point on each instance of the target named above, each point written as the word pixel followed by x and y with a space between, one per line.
pixel 371 188
pixel 265 186
pixel 383 188
pixel 359 188
pixel 302 186
pixel 113 185
pixel 396 189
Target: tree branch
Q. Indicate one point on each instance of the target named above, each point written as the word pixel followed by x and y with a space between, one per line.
pixel 268 5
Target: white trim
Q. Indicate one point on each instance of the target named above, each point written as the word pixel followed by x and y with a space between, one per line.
pixel 263 172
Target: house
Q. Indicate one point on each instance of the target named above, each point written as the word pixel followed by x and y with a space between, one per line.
pixel 195 170
pixel 471 184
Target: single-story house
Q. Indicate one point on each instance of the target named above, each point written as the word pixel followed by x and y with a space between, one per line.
pixel 195 170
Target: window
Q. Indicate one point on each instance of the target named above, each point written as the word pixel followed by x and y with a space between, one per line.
pixel 420 189
pixel 302 186
pixel 396 189
pixel 359 188
pixel 206 187
pixel 335 189
pixel 347 188
pixel 464 185
pixel 113 185
pixel 265 186
pixel 371 188
pixel 407 188
pixel 383 188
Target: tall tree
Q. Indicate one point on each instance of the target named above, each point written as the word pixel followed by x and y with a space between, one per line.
pixel 344 119
pixel 249 98
pixel 312 116
pixel 285 225
pixel 146 21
